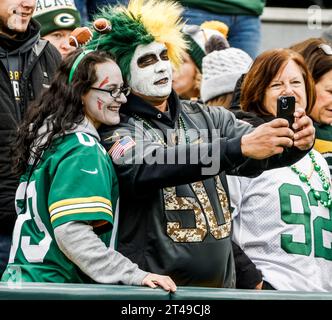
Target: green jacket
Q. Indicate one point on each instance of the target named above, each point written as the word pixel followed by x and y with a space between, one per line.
pixel 231 7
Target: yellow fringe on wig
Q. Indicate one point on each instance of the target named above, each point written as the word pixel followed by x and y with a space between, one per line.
pixel 163 20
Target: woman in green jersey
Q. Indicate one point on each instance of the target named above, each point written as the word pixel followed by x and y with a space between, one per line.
pixel 67 200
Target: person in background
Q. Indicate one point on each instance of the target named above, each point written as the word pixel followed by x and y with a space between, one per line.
pixel 81 6
pixel 57 21
pixel 241 16
pixel 187 78
pixel 175 213
pixel 88 8
pixel 317 54
pixel 281 217
pixel 27 65
pixel 221 70
pixel 327 34
pixel 68 194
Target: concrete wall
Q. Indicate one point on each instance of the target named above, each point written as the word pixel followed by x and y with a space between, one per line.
pixel 282 27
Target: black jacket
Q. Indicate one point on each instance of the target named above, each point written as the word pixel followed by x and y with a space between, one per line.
pixel 175 217
pixel 38 64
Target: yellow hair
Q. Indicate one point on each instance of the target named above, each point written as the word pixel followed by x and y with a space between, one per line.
pixel 162 19
pixel 216 25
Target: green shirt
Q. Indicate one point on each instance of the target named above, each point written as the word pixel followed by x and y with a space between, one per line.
pixel 76 182
pixel 323 142
pixel 229 7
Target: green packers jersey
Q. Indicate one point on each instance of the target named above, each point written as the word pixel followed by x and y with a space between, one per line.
pixel 323 142
pixel 74 181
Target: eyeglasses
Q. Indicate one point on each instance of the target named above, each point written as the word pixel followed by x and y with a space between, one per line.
pixel 326 48
pixel 115 93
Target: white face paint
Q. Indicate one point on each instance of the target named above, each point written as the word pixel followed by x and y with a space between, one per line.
pixel 151 71
pixel 99 106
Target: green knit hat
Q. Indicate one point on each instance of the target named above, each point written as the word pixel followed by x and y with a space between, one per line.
pixel 55 15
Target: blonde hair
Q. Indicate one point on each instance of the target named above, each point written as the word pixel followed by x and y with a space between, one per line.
pixel 141 23
pixel 162 19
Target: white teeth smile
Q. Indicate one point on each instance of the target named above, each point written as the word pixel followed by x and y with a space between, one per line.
pixel 113 108
pixel 23 15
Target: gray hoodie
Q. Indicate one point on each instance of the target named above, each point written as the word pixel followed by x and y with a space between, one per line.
pixel 80 244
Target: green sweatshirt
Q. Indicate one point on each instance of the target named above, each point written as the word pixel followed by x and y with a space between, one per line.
pixel 231 7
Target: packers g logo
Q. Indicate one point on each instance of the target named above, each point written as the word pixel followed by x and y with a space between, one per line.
pixel 64 20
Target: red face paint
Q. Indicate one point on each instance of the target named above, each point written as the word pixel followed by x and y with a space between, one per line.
pixel 105 81
pixel 99 104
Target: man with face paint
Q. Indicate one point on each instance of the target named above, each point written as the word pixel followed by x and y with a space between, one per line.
pixel 171 156
pixel 26 66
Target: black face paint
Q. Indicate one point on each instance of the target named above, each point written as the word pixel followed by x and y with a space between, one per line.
pixel 150 59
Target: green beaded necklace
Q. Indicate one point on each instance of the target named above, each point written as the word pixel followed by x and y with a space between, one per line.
pixel 181 124
pixel 324 180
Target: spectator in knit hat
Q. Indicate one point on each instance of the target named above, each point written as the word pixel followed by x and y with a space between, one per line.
pixel 187 79
pixel 241 16
pixel 57 20
pixel 220 71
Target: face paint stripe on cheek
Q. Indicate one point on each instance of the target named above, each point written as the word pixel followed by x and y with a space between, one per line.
pixel 99 104
pixel 105 81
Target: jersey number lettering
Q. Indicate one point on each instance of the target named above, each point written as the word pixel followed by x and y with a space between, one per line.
pixel 319 224
pixel 203 212
pixel 88 141
pixel 32 252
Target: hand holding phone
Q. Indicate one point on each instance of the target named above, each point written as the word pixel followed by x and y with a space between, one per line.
pixel 286 109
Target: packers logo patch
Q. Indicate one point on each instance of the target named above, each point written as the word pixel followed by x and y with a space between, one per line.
pixel 64 20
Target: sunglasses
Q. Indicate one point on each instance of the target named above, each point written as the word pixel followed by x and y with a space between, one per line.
pixel 326 49
pixel 115 93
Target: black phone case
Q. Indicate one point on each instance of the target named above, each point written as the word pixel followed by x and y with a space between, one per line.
pixel 286 108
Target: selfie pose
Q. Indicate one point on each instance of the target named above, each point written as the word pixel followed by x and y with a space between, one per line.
pixel 282 217
pixel 67 200
pixel 175 216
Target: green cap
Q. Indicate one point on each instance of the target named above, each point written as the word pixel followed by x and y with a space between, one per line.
pixel 55 15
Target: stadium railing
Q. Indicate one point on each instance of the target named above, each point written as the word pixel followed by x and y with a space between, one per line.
pixel 57 291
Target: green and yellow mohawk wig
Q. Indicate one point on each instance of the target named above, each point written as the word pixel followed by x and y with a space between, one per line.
pixel 142 22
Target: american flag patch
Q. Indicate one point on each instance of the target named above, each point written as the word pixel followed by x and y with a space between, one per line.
pixel 121 146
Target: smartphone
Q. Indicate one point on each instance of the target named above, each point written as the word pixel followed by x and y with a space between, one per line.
pixel 286 109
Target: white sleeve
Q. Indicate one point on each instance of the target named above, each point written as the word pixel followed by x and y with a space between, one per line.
pixel 80 244
pixel 237 188
pixel 235 194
